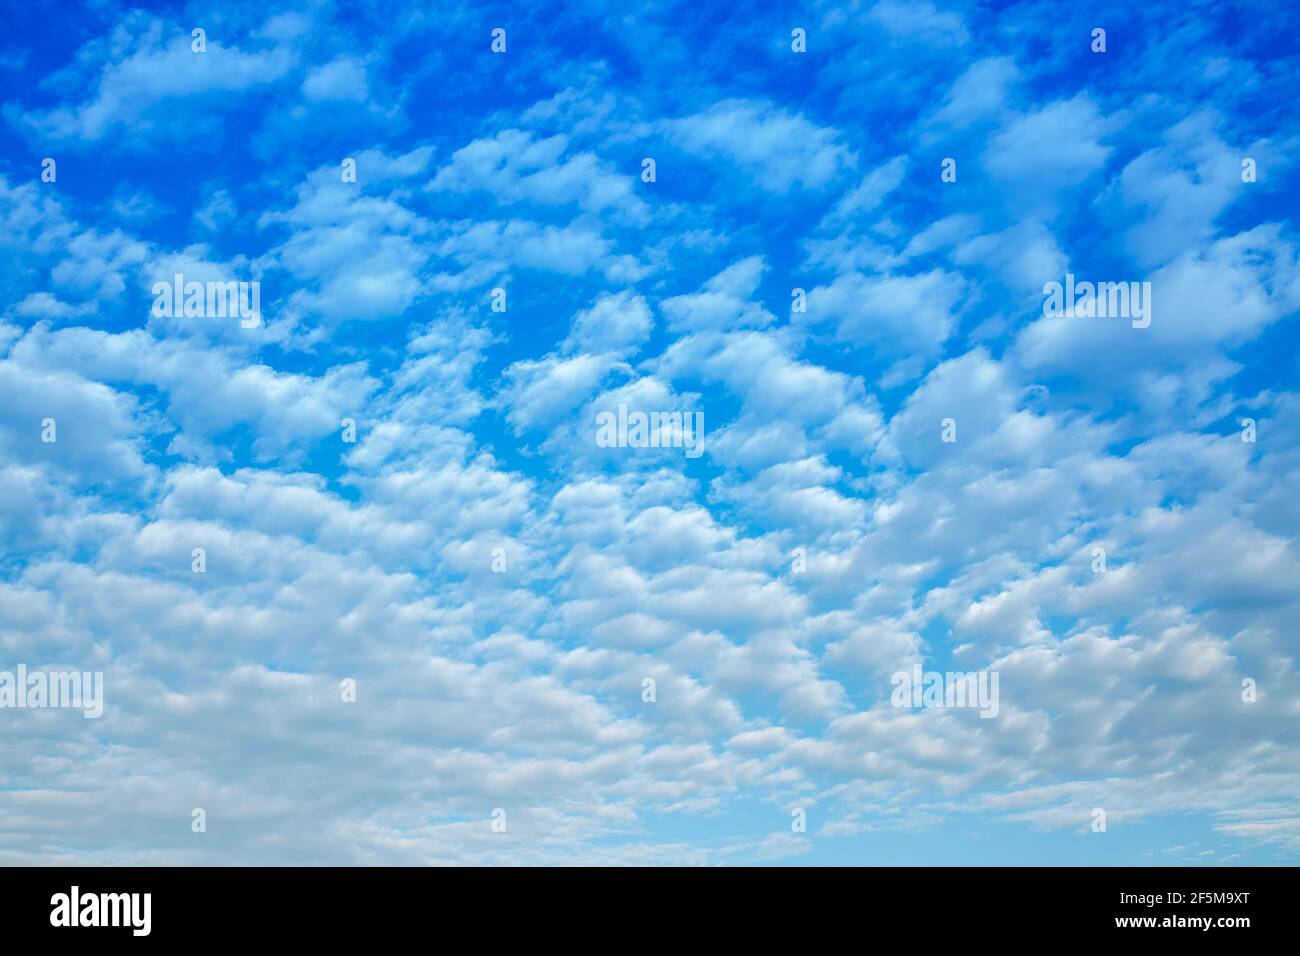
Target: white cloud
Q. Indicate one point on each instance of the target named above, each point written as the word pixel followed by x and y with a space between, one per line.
pixel 147 64
pixel 724 302
pixel 617 322
pixel 780 150
pixel 343 78
pixel 514 167
pixel 893 313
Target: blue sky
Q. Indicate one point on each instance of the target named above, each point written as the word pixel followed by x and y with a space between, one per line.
pixel 521 688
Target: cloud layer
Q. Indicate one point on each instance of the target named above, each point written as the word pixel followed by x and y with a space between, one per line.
pixel 396 489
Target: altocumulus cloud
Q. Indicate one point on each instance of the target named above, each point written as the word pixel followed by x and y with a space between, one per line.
pixel 361 575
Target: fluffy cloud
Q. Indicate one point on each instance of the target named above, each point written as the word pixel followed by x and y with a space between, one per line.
pixel 780 150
